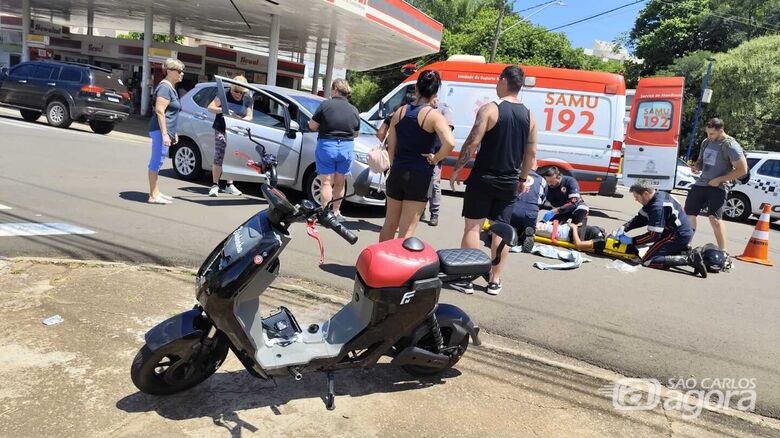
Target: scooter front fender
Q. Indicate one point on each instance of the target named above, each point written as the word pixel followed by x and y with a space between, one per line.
pixel 181 326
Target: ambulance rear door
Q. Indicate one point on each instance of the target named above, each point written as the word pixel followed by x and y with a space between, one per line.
pixel 651 144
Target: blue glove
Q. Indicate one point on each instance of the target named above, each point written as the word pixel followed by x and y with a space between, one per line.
pixel 548 216
pixel 628 240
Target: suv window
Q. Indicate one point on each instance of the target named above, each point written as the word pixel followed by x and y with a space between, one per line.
pixel 204 96
pixel 107 81
pixel 752 162
pixel 70 74
pixel 45 72
pixel 23 70
pixel 770 168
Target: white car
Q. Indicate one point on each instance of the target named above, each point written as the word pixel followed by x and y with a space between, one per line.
pixel 763 188
pixel 685 176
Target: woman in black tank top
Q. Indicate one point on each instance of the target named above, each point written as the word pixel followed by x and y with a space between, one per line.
pixel 411 149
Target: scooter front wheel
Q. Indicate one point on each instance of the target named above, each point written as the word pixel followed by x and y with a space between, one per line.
pixel 177 366
pixel 427 342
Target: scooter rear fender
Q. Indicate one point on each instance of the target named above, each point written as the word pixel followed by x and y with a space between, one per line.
pixel 452 316
pixel 181 326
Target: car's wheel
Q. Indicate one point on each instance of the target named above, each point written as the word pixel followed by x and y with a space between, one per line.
pixel 30 115
pixel 100 127
pixel 312 186
pixel 187 161
pixel 737 207
pixel 58 115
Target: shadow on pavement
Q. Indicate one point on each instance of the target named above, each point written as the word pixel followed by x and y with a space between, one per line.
pixel 345 271
pixel 141 197
pixel 362 225
pixel 225 394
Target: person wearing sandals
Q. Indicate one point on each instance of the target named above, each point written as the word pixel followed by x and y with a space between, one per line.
pixel 239 105
pixel 338 122
pixel 162 127
pixel 410 146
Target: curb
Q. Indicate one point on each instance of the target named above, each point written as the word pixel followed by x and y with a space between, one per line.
pixel 609 377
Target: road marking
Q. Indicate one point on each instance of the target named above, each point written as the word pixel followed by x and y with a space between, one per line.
pixel 4 207
pixel 36 229
pixel 27 125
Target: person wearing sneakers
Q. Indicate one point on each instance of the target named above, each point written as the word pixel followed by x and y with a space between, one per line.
pixel 239 105
pixel 338 122
pixel 563 192
pixel 505 133
pixel 162 126
pixel 434 202
pixel 721 160
pixel 668 231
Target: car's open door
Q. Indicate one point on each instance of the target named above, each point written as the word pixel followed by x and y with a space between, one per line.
pixel 650 149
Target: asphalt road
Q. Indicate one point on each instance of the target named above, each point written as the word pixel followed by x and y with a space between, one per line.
pixel 645 324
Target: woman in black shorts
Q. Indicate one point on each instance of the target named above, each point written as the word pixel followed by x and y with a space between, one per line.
pixel 410 145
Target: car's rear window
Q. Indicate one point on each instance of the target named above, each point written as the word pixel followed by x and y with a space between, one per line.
pixel 107 81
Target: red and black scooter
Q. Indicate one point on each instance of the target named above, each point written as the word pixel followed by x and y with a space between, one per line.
pixel 394 311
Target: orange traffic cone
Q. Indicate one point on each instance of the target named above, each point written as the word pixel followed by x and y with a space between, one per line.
pixel 757 249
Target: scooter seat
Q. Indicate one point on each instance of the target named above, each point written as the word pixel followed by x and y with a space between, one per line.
pixel 464 261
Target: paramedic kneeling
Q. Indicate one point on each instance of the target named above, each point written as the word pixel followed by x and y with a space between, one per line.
pixel 668 231
pixel 563 192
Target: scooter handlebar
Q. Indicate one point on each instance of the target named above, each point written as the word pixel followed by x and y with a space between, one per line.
pixel 328 219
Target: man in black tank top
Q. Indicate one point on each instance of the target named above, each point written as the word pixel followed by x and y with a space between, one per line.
pixel 505 133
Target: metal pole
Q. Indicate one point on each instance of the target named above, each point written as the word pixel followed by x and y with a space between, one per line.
pixel 698 111
pixel 317 61
pixel 498 33
pixel 25 29
pixel 273 51
pixel 329 67
pixel 146 69
pixel 172 32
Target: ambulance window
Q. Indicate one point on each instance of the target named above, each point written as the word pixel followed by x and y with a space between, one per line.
pixel 654 116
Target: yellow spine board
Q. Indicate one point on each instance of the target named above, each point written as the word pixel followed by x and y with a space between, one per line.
pixel 613 248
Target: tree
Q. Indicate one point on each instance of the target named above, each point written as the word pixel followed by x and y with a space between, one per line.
pixel 158 37
pixel 745 92
pixel 666 30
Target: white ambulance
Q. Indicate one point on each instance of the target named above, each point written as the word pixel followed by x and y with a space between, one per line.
pixel 580 114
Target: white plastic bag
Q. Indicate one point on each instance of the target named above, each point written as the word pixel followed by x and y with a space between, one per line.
pixel 622 267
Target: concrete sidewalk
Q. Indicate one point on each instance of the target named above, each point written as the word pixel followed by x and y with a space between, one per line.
pixel 72 378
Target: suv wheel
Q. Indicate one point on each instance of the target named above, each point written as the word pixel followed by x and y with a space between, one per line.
pixel 186 160
pixel 737 207
pixel 57 114
pixel 30 115
pixel 100 127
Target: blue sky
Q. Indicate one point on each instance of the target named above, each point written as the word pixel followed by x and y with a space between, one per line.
pixel 605 28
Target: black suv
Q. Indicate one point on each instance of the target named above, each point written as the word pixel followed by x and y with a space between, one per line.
pixel 65 92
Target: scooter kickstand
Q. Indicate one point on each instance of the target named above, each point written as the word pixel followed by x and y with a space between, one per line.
pixel 330 397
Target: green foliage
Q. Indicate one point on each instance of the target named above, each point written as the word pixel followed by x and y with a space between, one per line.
pixel 666 30
pixel 746 91
pixel 365 92
pixel 158 37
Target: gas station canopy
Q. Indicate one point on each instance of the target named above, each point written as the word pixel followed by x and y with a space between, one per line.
pixel 367 33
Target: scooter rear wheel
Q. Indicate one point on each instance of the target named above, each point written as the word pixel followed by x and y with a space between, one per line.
pixel 427 342
pixel 177 366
